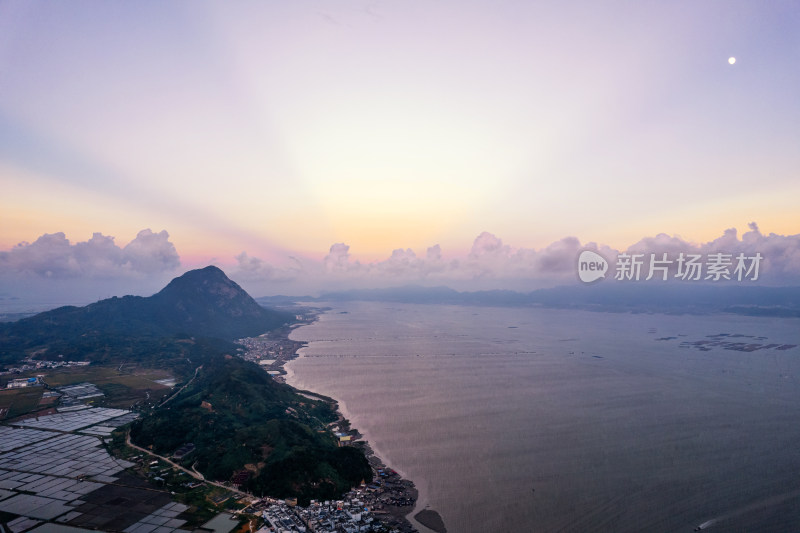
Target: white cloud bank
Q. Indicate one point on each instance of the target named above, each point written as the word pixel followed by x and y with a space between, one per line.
pixel 85 271
pixel 53 271
pixel 493 264
pixel 53 256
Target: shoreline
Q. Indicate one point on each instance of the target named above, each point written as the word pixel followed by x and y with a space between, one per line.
pixel 395 491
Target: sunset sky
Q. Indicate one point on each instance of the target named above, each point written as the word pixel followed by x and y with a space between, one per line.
pixel 279 129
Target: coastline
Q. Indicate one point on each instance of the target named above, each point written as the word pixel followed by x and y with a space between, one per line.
pixel 395 490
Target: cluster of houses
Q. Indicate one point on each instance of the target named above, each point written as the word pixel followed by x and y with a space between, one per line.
pixel 28 365
pixel 321 517
pixel 270 352
pixel 368 508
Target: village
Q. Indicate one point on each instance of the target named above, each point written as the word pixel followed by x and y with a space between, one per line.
pixel 374 507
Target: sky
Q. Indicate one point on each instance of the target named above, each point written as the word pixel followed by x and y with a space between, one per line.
pixel 307 145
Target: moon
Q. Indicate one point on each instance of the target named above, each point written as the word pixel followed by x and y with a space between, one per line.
pixel 731 60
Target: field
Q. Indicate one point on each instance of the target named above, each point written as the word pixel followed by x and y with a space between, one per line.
pixel 14 402
pixel 123 386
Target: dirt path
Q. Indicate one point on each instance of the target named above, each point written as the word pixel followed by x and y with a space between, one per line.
pixel 195 474
pixel 174 394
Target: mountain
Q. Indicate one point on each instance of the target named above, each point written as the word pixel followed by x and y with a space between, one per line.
pixel 207 303
pixel 676 297
pixel 200 303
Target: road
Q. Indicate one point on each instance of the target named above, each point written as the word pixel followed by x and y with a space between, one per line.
pixel 196 370
pixel 195 474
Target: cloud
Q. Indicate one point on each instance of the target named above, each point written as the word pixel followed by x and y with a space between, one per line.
pixel 401 262
pixel 434 253
pixel 492 263
pixel 558 257
pixel 100 265
pixel 52 256
pixel 781 253
pixel 780 263
pixel 150 252
pixel 254 269
pixel 487 245
pixel 338 259
pixel 489 264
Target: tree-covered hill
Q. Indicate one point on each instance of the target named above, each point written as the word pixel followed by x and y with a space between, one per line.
pixel 237 416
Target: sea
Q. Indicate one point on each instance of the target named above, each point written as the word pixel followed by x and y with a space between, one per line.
pixel 536 419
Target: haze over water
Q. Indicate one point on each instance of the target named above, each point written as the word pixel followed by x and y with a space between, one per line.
pixel 518 419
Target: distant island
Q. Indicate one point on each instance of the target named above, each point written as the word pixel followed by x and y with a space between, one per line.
pixel 671 298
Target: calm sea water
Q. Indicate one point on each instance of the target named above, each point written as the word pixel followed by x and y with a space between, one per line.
pixel 554 420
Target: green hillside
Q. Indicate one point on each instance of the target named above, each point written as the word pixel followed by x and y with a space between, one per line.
pixel 200 303
pixel 236 415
